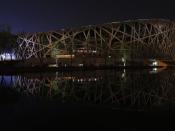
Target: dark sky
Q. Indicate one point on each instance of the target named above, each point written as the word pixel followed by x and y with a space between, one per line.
pixel 44 15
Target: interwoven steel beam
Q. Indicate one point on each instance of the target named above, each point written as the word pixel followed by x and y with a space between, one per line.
pixel 137 38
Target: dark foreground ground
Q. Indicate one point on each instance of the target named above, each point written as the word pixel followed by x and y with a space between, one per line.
pixel 31 114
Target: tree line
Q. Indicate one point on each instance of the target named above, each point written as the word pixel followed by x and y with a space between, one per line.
pixel 7 40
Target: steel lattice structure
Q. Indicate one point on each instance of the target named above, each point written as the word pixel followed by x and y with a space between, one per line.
pixel 135 39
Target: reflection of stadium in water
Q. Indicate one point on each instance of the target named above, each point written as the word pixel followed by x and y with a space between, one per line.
pixel 124 88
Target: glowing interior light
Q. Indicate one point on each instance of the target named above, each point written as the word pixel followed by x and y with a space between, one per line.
pixel 65 56
pixel 52 65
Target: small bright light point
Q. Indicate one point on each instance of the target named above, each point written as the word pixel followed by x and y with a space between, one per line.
pixel 154 69
pixel 123 75
pixel 124 64
pixel 155 63
pixel 123 59
pixel 80 65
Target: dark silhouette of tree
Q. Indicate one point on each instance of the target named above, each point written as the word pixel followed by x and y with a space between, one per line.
pixel 7 40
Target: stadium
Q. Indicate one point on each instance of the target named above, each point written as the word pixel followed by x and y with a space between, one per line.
pixel 115 43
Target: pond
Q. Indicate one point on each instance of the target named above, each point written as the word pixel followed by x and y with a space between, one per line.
pixel 88 97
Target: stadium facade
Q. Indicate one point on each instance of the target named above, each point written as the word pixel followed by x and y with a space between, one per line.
pixel 110 43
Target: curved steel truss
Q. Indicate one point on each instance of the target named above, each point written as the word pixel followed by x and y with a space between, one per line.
pixel 133 39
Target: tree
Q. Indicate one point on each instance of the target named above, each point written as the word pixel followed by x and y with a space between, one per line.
pixel 7 40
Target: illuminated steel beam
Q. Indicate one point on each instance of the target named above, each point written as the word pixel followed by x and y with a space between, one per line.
pixel 152 38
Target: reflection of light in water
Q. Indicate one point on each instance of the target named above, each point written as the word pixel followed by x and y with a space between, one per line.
pixel 153 71
pixel 7 80
pixel 80 65
pixel 85 79
pixel 156 70
pixel 124 73
pixel 96 92
pixel 7 56
pixel 74 79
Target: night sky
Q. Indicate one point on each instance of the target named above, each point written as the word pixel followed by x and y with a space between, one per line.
pixel 44 15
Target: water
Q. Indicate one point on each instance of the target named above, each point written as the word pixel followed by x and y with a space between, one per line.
pixel 99 99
